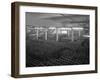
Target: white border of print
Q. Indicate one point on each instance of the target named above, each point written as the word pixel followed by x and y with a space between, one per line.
pixel 68 68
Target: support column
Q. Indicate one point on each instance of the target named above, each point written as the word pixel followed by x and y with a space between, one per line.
pixel 57 35
pixel 46 34
pixel 72 35
pixel 79 33
pixel 37 33
pixel 68 32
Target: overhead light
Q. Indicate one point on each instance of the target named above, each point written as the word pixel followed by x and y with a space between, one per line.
pixel 52 28
pixel 63 32
pixel 77 28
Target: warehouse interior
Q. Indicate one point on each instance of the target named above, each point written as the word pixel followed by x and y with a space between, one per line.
pixel 54 39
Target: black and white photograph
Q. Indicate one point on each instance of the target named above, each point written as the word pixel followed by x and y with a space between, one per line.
pixel 54 39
